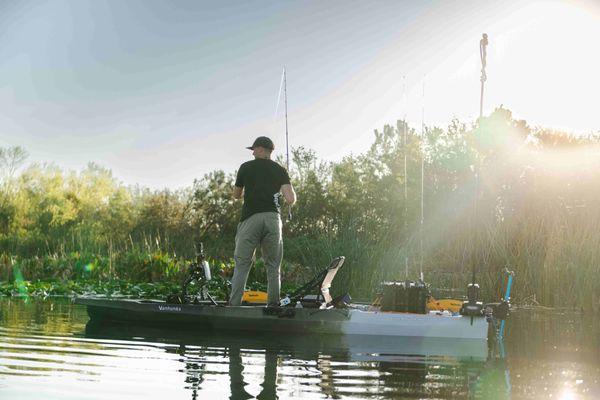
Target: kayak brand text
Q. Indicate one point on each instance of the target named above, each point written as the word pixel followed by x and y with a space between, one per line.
pixel 169 308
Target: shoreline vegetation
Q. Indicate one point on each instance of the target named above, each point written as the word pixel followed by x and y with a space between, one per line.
pixel 496 194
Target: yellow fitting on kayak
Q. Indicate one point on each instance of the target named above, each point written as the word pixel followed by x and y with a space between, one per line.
pixel 451 305
pixel 254 296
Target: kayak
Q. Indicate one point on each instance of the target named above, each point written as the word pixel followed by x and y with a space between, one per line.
pixel 401 312
pixel 356 320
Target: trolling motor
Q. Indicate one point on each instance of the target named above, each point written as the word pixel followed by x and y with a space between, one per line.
pixel 199 271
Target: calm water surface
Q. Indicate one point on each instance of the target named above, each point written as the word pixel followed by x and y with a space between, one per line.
pixel 48 350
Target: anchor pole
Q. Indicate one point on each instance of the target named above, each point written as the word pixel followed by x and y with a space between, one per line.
pixel 483 55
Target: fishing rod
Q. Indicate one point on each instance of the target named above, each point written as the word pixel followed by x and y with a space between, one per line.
pixel 283 85
pixel 287 147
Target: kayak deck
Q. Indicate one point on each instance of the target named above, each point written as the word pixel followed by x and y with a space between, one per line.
pixel 347 321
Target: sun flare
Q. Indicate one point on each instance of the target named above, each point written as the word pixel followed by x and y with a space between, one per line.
pixel 544 48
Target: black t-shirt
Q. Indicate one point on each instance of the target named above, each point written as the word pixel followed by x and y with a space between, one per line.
pixel 261 179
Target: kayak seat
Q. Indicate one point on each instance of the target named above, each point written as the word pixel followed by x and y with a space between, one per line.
pixel 319 284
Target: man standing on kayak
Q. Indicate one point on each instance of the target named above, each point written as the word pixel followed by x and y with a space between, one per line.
pixel 262 182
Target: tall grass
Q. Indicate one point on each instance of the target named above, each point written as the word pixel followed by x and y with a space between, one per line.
pixel 497 195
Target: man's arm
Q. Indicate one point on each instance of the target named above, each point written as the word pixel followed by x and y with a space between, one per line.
pixel 238 192
pixel 288 193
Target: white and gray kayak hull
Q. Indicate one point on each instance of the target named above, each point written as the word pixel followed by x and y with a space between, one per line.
pixel 349 321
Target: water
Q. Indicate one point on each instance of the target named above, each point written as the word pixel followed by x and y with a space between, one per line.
pixel 48 350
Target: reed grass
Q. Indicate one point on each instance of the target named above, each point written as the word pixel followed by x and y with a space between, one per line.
pixel 497 195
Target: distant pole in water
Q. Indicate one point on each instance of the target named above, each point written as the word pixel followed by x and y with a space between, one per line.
pixel 483 55
pixel 287 147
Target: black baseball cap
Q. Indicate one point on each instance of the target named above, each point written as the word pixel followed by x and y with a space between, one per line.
pixel 262 141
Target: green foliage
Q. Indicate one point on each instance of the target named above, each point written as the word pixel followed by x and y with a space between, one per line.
pixel 158 290
pixel 496 194
pixel 214 213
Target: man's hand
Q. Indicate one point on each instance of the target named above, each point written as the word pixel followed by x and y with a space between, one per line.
pixel 288 193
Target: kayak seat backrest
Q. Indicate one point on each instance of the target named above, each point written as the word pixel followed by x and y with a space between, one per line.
pixel 316 292
pixel 332 270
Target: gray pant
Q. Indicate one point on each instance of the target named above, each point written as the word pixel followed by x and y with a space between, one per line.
pixel 262 229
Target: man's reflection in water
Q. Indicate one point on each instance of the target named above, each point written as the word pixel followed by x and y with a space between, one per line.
pixel 236 377
pixel 327 385
pixel 269 385
pixel 194 372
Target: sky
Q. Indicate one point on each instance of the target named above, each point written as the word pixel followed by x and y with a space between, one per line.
pixel 162 92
